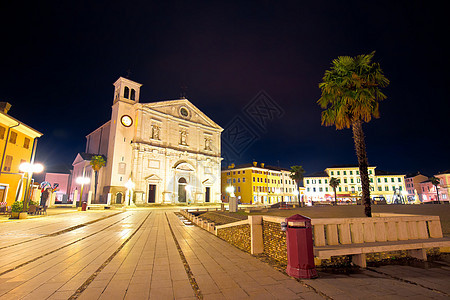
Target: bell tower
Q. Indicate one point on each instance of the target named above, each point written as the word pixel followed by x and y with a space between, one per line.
pixel 126 90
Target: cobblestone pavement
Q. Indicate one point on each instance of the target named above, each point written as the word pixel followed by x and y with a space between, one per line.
pixel 151 254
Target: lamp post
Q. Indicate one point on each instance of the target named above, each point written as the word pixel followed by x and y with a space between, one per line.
pixel 29 169
pixel 130 186
pixel 82 181
pixel 188 189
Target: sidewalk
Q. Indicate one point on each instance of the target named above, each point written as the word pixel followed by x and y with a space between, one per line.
pixel 151 254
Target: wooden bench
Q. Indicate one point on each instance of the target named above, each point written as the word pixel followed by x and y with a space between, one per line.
pixel 386 232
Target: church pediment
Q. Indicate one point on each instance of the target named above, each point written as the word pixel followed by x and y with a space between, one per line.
pixel 153 177
pixel 182 109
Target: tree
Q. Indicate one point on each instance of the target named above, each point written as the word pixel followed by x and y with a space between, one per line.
pixel 97 162
pixel 334 183
pixel 436 181
pixel 350 96
pixel 297 173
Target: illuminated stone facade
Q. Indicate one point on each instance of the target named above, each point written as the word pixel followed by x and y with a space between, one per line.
pixel 170 150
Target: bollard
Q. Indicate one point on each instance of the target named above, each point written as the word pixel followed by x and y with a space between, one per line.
pixel 83 206
pixel 300 250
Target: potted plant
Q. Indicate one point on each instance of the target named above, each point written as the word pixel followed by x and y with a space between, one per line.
pixel 16 209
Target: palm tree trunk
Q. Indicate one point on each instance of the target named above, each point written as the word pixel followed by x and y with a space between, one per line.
pixel 437 194
pixel 300 203
pixel 360 147
pixel 335 200
pixel 95 186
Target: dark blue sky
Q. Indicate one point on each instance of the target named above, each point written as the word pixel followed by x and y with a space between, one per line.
pixel 59 61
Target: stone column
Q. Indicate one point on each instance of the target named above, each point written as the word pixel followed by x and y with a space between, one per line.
pixel 74 199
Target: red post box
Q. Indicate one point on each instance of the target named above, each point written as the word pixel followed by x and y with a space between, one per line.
pixel 299 244
pixel 83 206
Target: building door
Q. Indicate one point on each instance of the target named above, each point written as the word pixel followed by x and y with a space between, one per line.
pixel 119 198
pixel 182 190
pixel 207 194
pixel 151 193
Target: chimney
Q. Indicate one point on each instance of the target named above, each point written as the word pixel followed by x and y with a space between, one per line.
pixel 5 107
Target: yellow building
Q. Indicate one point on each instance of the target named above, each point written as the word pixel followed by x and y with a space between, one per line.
pixel 383 185
pixel 17 145
pixel 259 184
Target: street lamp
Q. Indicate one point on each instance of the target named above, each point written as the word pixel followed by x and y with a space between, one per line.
pixel 230 191
pixel 29 169
pixel 82 181
pixel 130 186
pixel 188 189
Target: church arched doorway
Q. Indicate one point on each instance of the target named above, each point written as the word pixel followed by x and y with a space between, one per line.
pixel 182 189
pixel 119 198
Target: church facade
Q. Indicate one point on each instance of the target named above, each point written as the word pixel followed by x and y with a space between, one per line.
pixel 168 150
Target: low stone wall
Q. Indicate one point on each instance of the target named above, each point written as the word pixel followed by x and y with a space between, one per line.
pixel 274 241
pixel 238 236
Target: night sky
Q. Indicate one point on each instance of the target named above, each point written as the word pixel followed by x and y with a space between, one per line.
pixel 59 61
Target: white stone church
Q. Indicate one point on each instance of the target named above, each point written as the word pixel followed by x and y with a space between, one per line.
pixel 169 150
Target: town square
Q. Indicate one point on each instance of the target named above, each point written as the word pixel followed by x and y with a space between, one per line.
pixel 224 150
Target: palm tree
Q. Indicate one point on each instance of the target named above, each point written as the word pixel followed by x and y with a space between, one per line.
pixel 97 162
pixel 297 175
pixel 334 183
pixel 436 181
pixel 350 96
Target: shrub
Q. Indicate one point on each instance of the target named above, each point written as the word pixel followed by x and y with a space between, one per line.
pixel 17 206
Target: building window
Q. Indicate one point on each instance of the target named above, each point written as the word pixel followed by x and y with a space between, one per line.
pixel 371 180
pixel 378 180
pixel 370 171
pixel 26 143
pixel 253 179
pixel 13 137
pixel 346 189
pixel 326 189
pixel 332 173
pixel 351 172
pixel 380 189
pixel 357 172
pixel 320 181
pixel 326 181
pixel 386 188
pixel 385 180
pixel 351 180
pixel 345 172
pixel 320 189
pixel 234 180
pixel 239 189
pixel 8 163
pixel 126 92
pixel 345 180
pixel 314 189
pixel 2 132
pixel 133 94
pixel 340 189
pixel 243 179
pixel 339 172
pixel 399 180
pixel 239 180
pixel 392 180
pixel 307 181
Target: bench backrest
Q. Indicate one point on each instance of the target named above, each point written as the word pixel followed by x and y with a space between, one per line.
pixel 335 231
